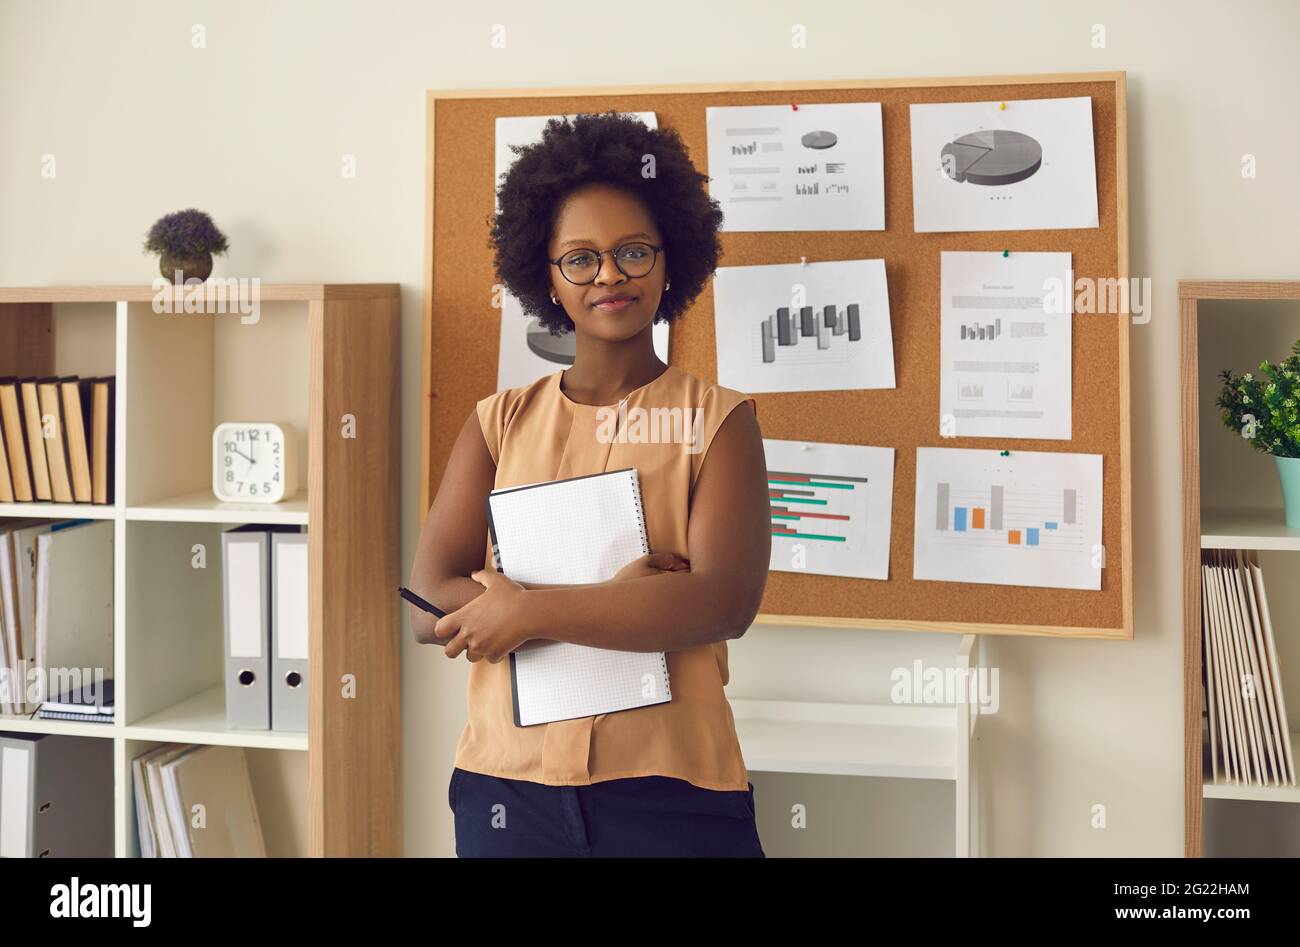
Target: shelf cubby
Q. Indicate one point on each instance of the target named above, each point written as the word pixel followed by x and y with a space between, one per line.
pixel 279 782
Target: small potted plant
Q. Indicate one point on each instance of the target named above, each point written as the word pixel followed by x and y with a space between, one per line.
pixel 185 241
pixel 1265 410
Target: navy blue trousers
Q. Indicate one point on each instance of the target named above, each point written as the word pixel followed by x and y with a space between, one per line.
pixel 637 817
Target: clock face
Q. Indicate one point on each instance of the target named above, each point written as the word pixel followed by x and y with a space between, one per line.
pixel 249 462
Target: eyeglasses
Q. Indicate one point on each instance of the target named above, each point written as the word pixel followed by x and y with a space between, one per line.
pixel 582 266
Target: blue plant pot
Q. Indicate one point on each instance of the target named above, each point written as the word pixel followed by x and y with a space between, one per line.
pixel 1288 471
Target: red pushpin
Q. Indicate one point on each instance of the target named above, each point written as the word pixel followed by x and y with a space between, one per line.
pixel 794 106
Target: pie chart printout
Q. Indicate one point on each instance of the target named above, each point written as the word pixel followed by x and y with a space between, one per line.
pixel 993 157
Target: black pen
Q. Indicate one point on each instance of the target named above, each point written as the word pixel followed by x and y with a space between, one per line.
pixel 423 605
pixel 418 602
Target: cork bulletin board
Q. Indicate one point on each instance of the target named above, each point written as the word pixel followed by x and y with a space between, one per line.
pixel 461 332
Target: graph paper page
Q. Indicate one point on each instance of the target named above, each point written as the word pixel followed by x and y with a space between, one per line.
pixel 575 531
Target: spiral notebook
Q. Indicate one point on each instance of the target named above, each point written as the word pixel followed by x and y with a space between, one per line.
pixel 570 532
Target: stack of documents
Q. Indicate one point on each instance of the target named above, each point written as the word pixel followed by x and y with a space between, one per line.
pixel 1249 740
pixel 92 702
pixel 196 802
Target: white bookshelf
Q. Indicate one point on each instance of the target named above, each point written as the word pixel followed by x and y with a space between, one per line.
pixel 202 507
pixel 903 741
pixel 1232 500
pixel 1247 528
pixel 178 375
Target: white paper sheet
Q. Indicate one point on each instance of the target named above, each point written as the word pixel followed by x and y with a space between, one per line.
pixel 1005 363
pixel 818 167
pixel 790 327
pixel 831 507
pixel 527 351
pixel 977 166
pixel 1031 518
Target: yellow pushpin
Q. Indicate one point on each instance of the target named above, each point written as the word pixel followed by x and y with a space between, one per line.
pixel 1002 107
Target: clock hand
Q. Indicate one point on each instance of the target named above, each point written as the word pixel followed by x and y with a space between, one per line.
pixel 242 454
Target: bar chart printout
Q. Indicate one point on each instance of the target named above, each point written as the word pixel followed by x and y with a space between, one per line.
pixel 1031 518
pixel 1004 345
pixel 788 327
pixel 831 506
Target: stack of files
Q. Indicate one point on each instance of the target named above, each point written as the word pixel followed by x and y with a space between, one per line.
pixel 56 439
pixel 172 779
pixel 1249 739
pixel 56 796
pixel 56 608
pixel 90 703
pixel 74 603
pixel 574 532
pixel 264 598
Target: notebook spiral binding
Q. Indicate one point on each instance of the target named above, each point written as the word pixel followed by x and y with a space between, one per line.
pixel 640 512
pixel 668 682
pixel 645 549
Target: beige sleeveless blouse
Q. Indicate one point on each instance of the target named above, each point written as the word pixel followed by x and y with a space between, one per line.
pixel 536 433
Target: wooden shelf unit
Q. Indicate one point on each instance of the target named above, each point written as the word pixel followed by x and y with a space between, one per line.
pixel 1215 527
pixel 326 358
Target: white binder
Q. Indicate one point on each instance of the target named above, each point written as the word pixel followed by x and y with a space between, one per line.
pixel 56 796
pixel 245 587
pixel 289 631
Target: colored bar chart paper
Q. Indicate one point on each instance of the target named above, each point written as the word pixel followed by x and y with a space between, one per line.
pixel 1031 518
pixel 830 507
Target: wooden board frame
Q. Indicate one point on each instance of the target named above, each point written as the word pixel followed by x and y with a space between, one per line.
pixel 1189 293
pixel 464 196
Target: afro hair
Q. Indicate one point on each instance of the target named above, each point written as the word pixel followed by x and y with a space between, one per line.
pixel 611 148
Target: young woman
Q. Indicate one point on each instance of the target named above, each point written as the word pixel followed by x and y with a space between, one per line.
pixel 605 227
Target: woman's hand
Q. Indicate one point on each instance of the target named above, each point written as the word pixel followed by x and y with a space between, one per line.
pixel 652 564
pixel 491 625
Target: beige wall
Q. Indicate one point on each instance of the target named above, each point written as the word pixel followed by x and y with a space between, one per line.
pixel 254 127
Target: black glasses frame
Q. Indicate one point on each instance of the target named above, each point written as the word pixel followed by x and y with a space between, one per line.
pixel 600 258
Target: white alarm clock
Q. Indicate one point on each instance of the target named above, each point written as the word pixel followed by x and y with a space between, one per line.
pixel 254 461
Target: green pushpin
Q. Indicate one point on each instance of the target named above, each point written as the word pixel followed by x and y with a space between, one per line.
pixel 1005 453
pixel 1006 253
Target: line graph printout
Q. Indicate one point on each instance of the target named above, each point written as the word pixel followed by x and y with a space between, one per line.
pixel 831 507
pixel 1031 518
pixel 1004 345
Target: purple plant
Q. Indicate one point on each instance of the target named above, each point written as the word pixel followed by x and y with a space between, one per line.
pixel 185 233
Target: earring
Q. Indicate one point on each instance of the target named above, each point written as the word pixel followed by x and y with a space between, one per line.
pixel 668 285
pixel 554 301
